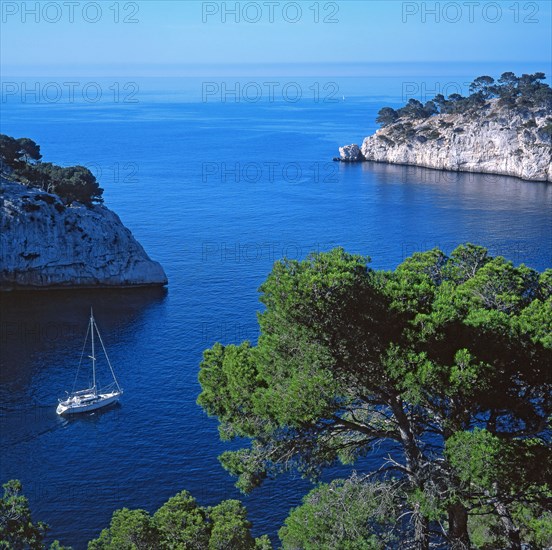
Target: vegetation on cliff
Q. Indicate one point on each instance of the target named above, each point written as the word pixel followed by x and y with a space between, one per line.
pixel 21 160
pixel 524 92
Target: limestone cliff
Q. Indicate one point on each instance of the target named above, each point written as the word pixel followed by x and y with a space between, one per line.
pixel 495 140
pixel 46 244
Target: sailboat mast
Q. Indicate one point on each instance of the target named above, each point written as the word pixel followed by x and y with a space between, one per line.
pixel 93 356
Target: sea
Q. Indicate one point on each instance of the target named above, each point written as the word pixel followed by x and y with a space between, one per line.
pixel 218 178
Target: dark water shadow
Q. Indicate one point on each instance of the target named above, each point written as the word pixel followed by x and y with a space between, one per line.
pixel 36 327
pixel 487 185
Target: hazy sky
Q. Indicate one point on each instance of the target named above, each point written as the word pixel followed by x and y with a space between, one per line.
pixel 165 37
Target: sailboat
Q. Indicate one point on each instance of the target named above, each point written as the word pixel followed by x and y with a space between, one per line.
pixel 91 398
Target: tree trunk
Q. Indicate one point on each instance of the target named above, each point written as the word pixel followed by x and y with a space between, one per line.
pixel 421 530
pixel 411 450
pixel 458 527
pixel 413 457
pixel 512 532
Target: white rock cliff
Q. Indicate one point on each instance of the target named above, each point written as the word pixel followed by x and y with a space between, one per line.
pixel 44 244
pixel 495 141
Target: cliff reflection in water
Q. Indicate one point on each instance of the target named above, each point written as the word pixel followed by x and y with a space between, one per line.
pixel 497 205
pixel 474 185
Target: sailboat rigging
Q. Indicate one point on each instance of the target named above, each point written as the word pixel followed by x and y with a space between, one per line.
pixel 91 398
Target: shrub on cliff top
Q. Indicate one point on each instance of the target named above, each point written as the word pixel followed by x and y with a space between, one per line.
pixel 20 159
pixel 512 91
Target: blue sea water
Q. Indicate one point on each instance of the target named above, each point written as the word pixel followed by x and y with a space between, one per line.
pixel 216 186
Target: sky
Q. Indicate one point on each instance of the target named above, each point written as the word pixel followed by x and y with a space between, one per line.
pixel 187 37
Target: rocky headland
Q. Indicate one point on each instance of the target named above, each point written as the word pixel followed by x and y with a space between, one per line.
pixel 48 241
pixel 496 130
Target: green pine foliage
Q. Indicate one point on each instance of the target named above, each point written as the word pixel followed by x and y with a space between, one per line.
pixel 445 360
pixel 20 160
pixel 181 524
pixel 525 91
pixel 17 529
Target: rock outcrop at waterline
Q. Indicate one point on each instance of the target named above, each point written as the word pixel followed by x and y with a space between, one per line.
pixel 45 243
pixel 495 140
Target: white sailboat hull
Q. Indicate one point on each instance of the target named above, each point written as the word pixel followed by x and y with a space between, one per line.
pixel 86 403
pixel 91 399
